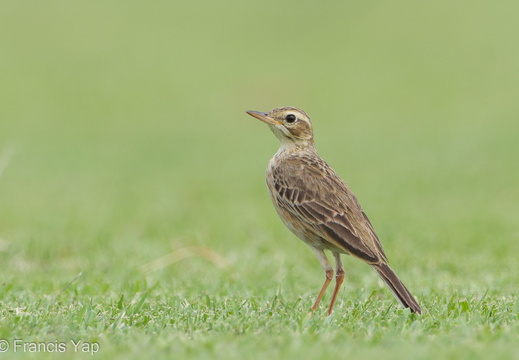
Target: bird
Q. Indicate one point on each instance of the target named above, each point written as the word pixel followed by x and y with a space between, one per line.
pixel 317 206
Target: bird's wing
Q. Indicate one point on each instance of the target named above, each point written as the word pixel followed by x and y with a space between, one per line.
pixel 314 194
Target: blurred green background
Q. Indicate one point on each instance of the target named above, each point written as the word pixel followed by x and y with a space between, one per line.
pixel 123 139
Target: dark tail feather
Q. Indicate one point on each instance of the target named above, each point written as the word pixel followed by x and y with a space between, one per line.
pixel 397 287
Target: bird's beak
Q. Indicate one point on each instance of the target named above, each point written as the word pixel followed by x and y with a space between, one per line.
pixel 263 117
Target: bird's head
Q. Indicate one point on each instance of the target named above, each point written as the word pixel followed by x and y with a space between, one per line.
pixel 289 124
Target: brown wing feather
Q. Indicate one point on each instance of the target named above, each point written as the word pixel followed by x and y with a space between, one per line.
pixel 311 193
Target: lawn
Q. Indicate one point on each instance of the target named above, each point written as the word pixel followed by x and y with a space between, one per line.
pixel 134 217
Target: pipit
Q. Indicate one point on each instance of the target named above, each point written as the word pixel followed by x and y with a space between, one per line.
pixel 318 206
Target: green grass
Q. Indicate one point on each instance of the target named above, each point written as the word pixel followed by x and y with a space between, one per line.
pixel 133 209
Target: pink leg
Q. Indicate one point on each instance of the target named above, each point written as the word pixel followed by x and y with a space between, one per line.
pixel 339 278
pixel 327 281
pixel 329 274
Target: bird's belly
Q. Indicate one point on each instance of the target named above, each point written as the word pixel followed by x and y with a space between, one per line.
pixel 310 236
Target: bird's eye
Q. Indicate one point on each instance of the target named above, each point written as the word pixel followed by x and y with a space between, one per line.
pixel 290 118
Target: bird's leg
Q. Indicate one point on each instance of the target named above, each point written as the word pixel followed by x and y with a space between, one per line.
pixel 329 274
pixel 339 278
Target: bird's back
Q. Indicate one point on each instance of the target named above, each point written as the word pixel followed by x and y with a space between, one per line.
pixel 318 206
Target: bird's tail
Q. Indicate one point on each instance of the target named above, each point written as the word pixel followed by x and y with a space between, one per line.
pixel 397 287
